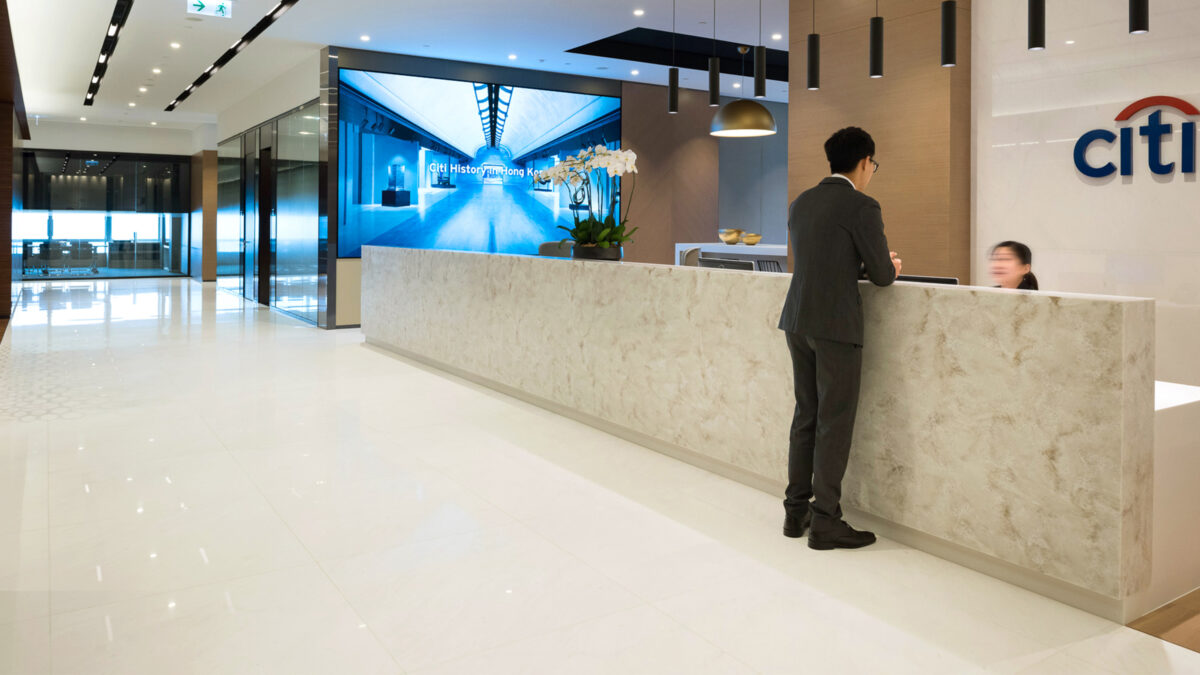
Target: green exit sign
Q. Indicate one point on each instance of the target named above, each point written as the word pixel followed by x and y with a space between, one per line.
pixel 221 8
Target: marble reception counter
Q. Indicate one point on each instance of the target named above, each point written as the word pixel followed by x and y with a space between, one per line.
pixel 1012 432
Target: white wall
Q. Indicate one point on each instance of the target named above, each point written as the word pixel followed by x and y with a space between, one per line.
pixel 204 137
pixel 292 89
pixel 109 138
pixel 1137 236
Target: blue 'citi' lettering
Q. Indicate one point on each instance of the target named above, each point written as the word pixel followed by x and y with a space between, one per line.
pixel 1153 131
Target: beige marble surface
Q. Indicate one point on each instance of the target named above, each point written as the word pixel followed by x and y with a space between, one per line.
pixel 1017 425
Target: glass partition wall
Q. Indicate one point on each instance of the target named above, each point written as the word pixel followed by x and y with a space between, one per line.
pixel 269 241
pixel 100 215
pixel 297 241
pixel 229 215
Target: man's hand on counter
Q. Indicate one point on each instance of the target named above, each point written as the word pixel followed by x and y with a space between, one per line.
pixel 896 262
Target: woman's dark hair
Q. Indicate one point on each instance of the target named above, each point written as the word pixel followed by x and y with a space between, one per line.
pixel 1025 255
pixel 847 147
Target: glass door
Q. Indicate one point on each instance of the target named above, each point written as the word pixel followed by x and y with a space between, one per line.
pixel 297 233
pixel 269 233
pixel 266 223
pixel 250 215
pixel 230 214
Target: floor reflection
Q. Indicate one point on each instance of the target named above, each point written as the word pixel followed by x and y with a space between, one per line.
pixel 77 302
pixel 295 294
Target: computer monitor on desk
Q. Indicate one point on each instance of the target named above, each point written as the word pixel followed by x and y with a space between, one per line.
pixel 950 281
pixel 727 264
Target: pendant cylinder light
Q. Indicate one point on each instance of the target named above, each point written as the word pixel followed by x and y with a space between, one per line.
pixel 760 60
pixel 714 68
pixel 673 91
pixel 814 54
pixel 760 72
pixel 1037 25
pixel 714 82
pixel 876 56
pixel 1139 16
pixel 814 62
pixel 949 34
pixel 673 73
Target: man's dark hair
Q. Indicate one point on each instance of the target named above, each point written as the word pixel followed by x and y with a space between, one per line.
pixel 846 148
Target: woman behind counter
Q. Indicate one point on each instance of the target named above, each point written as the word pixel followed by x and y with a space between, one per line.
pixel 1012 266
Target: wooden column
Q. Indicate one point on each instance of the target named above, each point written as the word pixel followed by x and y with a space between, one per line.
pixel 204 215
pixel 6 204
pixel 12 122
pixel 676 193
pixel 919 114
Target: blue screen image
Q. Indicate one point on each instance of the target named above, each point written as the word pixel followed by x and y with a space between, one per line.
pixel 448 164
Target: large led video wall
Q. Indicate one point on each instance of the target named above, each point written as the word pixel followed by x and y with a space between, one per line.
pixel 431 163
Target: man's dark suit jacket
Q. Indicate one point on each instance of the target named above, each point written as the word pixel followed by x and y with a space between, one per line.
pixel 835 230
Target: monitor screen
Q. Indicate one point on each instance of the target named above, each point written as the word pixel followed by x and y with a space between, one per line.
pixel 448 164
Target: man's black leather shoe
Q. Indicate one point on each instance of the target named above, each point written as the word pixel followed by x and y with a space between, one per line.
pixel 794 525
pixel 841 536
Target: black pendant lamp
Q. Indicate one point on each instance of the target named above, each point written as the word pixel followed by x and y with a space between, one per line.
pixel 814 54
pixel 673 73
pixel 1139 16
pixel 714 68
pixel 875 60
pixel 1037 25
pixel 949 34
pixel 760 60
pixel 673 91
pixel 760 71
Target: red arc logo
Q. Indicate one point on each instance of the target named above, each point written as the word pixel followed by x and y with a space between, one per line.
pixel 1155 101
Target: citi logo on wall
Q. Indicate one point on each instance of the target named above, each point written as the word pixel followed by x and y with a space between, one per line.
pixel 1154 130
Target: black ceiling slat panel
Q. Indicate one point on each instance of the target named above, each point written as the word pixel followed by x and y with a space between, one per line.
pixel 645 45
pixel 112 31
pixel 228 55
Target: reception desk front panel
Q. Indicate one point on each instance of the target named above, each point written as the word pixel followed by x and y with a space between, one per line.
pixel 1016 426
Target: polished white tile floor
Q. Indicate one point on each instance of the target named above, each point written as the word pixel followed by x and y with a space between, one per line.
pixel 191 484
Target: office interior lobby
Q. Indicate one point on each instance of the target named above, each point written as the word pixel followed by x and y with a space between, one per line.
pixel 328 344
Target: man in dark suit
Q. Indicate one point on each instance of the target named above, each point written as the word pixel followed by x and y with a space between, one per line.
pixel 836 231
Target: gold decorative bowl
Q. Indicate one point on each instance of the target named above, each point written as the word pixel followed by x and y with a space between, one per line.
pixel 731 236
pixel 751 239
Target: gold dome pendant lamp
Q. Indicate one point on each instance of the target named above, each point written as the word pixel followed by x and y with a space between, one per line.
pixel 743 118
pixel 746 118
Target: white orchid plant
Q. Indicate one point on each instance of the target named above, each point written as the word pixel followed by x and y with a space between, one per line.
pixel 591 180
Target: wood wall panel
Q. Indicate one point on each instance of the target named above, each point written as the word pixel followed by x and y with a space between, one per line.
pixel 919 114
pixel 676 190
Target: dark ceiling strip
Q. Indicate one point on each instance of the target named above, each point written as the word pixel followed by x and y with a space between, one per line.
pixel 111 33
pixel 258 29
pixel 645 45
pixel 493 108
pixel 10 76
